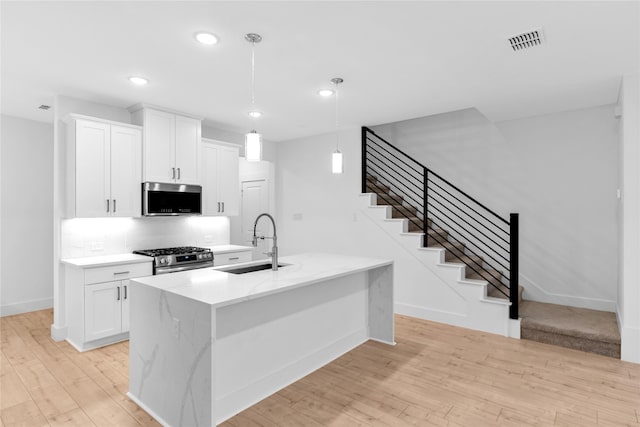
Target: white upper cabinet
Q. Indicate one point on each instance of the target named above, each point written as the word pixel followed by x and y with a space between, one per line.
pixel 171 148
pixel 104 170
pixel 220 178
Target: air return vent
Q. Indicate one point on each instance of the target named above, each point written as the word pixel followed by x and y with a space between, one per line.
pixel 526 40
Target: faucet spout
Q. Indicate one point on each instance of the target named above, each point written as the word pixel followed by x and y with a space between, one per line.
pixel 274 249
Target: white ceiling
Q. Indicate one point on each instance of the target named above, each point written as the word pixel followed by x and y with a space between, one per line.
pixel 400 60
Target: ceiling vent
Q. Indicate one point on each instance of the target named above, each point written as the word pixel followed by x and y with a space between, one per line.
pixel 44 107
pixel 526 40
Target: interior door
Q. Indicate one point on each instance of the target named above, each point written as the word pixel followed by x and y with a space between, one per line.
pixel 255 200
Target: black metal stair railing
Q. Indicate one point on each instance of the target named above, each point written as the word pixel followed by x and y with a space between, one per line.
pixel 447 216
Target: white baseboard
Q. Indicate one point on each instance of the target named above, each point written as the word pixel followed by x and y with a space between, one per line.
pixel 58 333
pixel 630 348
pixel 440 316
pixel 25 307
pixel 534 292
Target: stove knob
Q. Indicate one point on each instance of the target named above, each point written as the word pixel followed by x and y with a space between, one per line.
pixel 199 256
pixel 163 260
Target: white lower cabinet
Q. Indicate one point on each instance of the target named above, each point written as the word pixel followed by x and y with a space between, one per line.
pixel 106 309
pixel 98 302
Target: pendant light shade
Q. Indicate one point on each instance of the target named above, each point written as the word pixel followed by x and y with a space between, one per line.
pixel 253 146
pixel 253 140
pixel 336 162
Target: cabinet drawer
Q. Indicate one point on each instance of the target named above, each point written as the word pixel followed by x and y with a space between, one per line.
pixel 231 258
pixel 117 272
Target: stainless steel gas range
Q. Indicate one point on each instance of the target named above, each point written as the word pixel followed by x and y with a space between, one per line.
pixel 172 260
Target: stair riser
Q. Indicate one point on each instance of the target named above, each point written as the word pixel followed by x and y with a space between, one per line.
pixel 576 343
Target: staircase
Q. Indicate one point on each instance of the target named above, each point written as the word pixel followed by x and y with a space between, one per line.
pixel 436 237
pixel 470 235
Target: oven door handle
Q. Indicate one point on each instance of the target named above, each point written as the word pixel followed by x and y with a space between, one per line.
pixel 165 270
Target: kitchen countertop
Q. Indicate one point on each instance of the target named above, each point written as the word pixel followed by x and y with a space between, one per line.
pixel 223 249
pixel 219 288
pixel 106 260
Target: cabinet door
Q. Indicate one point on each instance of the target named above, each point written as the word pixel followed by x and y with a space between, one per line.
pixel 102 310
pixel 159 146
pixel 125 305
pixel 126 171
pixel 210 200
pixel 187 150
pixel 229 181
pixel 92 169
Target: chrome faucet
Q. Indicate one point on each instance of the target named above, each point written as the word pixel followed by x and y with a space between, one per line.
pixel 274 251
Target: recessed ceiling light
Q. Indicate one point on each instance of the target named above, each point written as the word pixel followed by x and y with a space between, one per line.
pixel 206 38
pixel 44 107
pixel 325 92
pixel 140 81
pixel 255 114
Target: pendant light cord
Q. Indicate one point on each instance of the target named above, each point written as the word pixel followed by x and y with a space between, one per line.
pixel 253 74
pixel 337 122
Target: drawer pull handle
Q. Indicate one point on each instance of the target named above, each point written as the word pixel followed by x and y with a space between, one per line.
pixel 234 258
pixel 121 272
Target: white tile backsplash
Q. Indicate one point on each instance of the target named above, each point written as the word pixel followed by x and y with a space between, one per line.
pixel 82 237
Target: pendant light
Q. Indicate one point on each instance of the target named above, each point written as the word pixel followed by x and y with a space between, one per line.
pixel 253 140
pixel 337 164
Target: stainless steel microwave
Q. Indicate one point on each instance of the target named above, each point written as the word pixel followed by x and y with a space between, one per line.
pixel 162 199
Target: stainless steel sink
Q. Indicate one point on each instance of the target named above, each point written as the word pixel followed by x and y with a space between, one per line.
pixel 249 268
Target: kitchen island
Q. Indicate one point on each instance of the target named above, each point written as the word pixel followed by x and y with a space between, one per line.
pixel 207 344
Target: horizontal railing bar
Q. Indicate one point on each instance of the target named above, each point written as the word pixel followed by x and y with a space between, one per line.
pixel 461 232
pixel 401 177
pixel 469 197
pixel 394 147
pixel 390 202
pixel 411 171
pixel 484 217
pixel 436 175
pixel 456 251
pixel 470 225
pixel 400 190
pixel 371 143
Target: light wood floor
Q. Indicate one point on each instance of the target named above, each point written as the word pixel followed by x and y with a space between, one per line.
pixel 435 375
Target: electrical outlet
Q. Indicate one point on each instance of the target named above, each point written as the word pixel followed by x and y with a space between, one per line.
pixel 297 217
pixel 176 328
pixel 97 246
pixel 208 239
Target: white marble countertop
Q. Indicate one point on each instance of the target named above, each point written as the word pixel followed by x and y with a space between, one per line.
pixel 218 288
pixel 223 249
pixel 106 260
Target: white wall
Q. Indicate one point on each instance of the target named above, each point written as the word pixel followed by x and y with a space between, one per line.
pixel 628 300
pixel 558 171
pixel 26 228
